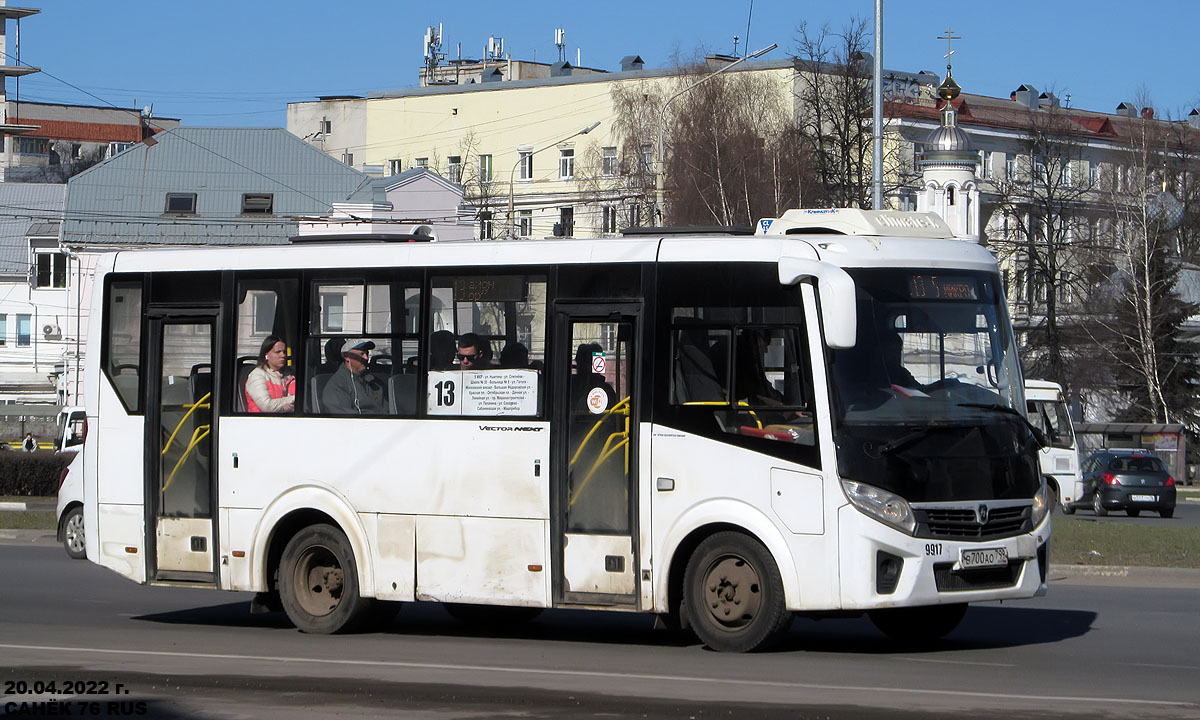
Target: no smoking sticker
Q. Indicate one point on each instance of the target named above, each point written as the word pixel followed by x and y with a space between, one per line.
pixel 597 399
pixel 598 364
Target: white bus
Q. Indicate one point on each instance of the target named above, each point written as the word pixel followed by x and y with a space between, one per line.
pixel 1047 410
pixel 723 430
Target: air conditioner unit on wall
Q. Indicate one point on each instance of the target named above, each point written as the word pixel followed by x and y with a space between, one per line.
pixel 51 331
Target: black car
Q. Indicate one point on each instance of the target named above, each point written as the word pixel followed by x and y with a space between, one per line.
pixel 1127 481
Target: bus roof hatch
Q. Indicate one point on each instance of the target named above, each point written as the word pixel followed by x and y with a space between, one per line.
pixel 852 221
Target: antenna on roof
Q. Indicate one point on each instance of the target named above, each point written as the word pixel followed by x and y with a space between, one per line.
pixel 560 42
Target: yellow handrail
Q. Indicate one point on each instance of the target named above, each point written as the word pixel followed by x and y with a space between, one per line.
pixel 622 407
pixel 191 409
pixel 739 403
pixel 203 431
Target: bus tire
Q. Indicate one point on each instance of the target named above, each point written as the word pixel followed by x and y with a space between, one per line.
pixel 318 582
pixel 72 534
pixel 916 625
pixel 1068 509
pixel 733 594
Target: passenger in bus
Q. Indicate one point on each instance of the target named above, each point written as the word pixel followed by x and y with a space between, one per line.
pixel 891 348
pixel 750 379
pixel 269 389
pixel 474 353
pixel 352 390
pixel 514 355
pixel 441 350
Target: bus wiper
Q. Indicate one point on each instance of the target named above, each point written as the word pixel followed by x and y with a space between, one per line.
pixel 1034 429
pixel 893 445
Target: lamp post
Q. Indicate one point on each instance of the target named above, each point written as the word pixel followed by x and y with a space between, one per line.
pixel 521 157
pixel 877 113
pixel 662 119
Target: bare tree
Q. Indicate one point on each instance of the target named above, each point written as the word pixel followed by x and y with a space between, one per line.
pixel 479 185
pixel 1045 231
pixel 833 96
pixel 1155 366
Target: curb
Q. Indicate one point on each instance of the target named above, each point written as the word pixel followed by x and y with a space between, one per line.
pixel 1124 576
pixel 19 506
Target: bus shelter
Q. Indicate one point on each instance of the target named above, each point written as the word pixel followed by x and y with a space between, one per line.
pixel 1167 441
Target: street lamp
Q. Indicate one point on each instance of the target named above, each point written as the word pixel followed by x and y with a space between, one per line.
pixel 521 157
pixel 662 119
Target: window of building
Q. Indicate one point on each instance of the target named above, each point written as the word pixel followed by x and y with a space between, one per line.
pixel 485 168
pixel 485 225
pixel 258 203
pixel 525 165
pixel 116 148
pixel 608 161
pixel 348 158
pixel 181 203
pixel 525 223
pixel 3 329
pixel 565 227
pixel 635 216
pixel 566 163
pixel 1010 167
pixel 33 146
pixel 421 162
pixel 950 196
pixel 608 220
pixel 647 158
pixel 454 168
pixel 24 330
pixel 395 167
pixel 50 270
pixel 985 163
pixel 326 126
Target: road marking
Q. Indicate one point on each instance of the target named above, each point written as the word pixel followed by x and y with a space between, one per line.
pixel 594 674
pixel 954 662
pixel 1160 665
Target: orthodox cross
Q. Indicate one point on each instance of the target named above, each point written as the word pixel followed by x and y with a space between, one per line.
pixel 949 37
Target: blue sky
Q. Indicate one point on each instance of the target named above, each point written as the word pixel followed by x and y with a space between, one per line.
pixel 229 63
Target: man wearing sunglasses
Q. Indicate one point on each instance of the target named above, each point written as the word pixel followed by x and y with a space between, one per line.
pixel 474 353
pixel 352 390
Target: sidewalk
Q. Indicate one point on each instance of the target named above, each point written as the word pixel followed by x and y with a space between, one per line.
pixel 36 505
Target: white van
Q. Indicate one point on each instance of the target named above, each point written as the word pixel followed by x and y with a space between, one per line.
pixel 1047 409
pixel 71 429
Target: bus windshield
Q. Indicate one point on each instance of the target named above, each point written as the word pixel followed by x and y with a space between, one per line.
pixel 933 376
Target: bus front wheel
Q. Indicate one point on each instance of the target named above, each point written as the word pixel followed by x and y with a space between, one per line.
pixel 318 582
pixel 734 594
pixel 918 624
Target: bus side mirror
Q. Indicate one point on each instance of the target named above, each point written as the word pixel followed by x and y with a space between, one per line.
pixel 836 288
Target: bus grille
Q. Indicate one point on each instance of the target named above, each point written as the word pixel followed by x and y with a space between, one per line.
pixel 962 523
pixel 980 579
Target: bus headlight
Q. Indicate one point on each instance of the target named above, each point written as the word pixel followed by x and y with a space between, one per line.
pixel 1041 504
pixel 880 504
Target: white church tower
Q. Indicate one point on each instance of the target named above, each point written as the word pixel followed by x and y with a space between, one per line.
pixel 948 183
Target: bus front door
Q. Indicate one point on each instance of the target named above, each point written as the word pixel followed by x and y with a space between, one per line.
pixel 595 483
pixel 180 433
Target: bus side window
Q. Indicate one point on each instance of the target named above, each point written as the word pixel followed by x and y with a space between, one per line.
pixel 267 308
pixel 123 341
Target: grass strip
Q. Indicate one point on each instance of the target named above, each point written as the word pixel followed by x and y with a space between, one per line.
pixel 28 520
pixel 1082 541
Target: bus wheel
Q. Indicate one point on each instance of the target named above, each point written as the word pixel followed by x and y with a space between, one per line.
pixel 734 595
pixel 73 534
pixel 918 624
pixel 318 582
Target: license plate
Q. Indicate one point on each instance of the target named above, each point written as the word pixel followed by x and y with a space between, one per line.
pixel 982 558
pixel 1144 498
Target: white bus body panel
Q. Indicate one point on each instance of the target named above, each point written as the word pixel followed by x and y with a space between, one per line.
pixel 1061 464
pixel 861 537
pixel 432 470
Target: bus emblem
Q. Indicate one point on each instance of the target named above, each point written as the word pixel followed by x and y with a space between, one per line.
pixel 982 514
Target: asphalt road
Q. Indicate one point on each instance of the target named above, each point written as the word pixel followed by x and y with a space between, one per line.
pixel 1083 651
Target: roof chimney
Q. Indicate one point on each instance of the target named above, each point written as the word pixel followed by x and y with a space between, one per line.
pixel 1194 118
pixel 1147 113
pixel 1026 95
pixel 1047 100
pixel 632 63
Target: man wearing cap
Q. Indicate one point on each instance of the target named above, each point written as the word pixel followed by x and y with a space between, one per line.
pixel 352 390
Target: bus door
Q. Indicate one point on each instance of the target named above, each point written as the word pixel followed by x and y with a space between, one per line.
pixel 180 438
pixel 595 439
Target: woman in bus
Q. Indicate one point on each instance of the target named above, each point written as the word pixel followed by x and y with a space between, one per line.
pixel 268 390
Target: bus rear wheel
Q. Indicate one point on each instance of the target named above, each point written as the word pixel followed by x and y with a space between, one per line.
pixel 734 594
pixel 318 582
pixel 918 624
